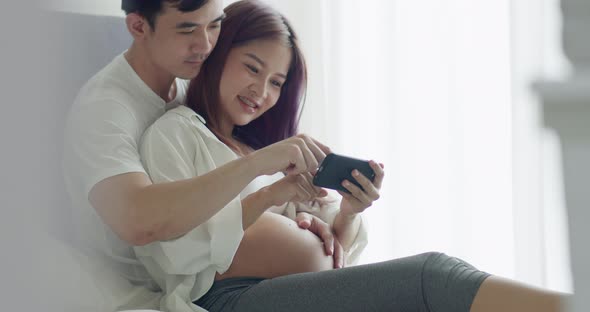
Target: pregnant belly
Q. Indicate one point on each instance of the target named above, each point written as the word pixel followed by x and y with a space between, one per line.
pixel 275 246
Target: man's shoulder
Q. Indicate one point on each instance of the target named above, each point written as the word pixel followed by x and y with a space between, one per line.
pixel 111 84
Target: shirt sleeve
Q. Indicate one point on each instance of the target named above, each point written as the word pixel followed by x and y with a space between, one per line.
pixel 101 142
pixel 168 149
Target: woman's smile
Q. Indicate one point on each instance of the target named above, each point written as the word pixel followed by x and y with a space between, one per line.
pixel 248 105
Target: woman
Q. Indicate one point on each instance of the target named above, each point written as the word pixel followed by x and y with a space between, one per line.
pixel 244 106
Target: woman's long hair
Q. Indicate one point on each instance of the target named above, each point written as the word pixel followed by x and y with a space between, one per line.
pixel 246 21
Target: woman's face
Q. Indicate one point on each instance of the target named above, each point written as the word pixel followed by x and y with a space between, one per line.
pixel 252 79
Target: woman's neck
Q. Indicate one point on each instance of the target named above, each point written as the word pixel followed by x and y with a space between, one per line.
pixel 226 128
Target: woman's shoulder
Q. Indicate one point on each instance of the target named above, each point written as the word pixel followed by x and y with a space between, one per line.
pixel 182 113
pixel 178 118
pixel 179 123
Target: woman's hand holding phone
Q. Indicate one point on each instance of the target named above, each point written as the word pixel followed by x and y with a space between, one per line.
pixel 359 199
pixel 358 182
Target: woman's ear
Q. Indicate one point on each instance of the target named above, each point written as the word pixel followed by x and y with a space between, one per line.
pixel 137 25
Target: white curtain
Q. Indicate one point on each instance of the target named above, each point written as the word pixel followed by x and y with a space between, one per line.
pixel 439 91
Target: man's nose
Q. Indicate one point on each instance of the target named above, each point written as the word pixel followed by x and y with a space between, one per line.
pixel 201 43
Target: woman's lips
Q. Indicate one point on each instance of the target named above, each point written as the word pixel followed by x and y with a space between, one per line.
pixel 246 105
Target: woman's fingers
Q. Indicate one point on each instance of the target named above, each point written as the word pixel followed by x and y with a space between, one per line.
pixel 324 232
pixel 323 148
pixel 338 255
pixel 297 163
pixel 317 191
pixel 379 173
pixel 357 193
pixel 369 188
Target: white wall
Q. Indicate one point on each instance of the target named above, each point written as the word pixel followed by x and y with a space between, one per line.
pixel 95 7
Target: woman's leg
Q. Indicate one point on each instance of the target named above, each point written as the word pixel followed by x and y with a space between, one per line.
pixel 430 282
pixel 426 282
pixel 499 294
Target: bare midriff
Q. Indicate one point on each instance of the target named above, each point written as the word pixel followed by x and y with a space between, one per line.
pixel 275 246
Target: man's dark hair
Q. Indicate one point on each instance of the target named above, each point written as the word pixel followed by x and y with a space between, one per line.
pixel 150 9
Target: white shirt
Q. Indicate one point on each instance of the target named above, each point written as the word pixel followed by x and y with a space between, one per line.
pixel 103 130
pixel 179 146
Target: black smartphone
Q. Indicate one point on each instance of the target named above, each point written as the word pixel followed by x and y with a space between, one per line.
pixel 336 168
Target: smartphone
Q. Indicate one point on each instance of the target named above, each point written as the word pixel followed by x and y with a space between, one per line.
pixel 336 168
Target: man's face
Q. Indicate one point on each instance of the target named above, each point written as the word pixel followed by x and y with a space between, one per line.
pixel 181 41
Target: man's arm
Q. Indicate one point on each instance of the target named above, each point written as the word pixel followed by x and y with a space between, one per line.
pixel 140 212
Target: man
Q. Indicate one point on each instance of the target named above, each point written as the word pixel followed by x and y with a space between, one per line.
pixel 114 207
pixel 115 204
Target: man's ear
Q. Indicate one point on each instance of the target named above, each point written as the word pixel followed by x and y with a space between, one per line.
pixel 137 26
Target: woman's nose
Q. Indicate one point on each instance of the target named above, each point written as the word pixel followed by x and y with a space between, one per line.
pixel 258 90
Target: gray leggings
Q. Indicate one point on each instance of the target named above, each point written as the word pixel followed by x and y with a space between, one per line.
pixel 431 282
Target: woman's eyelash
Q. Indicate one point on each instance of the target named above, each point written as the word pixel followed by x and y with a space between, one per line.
pixel 253 69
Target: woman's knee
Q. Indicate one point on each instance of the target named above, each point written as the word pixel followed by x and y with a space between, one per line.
pixel 448 283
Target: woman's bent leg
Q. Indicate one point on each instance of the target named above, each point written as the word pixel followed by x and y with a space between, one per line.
pixel 499 294
pixel 426 282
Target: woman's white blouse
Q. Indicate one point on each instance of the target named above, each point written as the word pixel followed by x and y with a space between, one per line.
pixel 179 146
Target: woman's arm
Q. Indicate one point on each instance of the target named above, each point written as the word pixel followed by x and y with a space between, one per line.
pixel 346 228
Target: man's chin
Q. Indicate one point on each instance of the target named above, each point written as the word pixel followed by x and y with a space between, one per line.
pixel 188 75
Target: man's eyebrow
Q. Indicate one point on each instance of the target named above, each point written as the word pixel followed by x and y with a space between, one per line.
pixel 187 25
pixel 262 63
pixel 219 18
pixel 192 24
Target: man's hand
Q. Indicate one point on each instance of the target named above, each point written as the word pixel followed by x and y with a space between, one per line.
pixel 294 188
pixel 322 229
